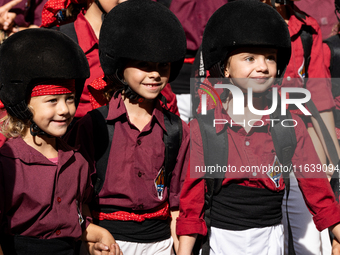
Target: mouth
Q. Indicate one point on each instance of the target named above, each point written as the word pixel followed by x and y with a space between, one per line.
pixel 152 85
pixel 260 80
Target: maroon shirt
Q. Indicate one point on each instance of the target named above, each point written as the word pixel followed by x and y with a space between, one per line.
pixel 194 15
pixel 135 159
pixel 256 148
pixel 39 198
pixel 28 12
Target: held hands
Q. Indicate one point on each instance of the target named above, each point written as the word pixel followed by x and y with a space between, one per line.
pixel 100 241
pixel 100 248
pixel 7 17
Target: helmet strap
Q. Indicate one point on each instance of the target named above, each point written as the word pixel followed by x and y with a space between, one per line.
pixel 100 8
pixel 128 92
pixel 36 130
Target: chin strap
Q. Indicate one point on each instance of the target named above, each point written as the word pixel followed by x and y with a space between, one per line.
pixel 128 92
pixel 36 130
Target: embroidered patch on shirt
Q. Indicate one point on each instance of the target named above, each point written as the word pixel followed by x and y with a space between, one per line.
pixel 159 183
pixel 80 217
pixel 302 70
pixel 275 172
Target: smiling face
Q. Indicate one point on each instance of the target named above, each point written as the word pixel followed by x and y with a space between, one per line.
pixel 252 67
pixel 53 113
pixel 147 79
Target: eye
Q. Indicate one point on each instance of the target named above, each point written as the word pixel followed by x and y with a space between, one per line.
pixel 271 58
pixel 249 58
pixel 164 65
pixel 52 100
pixel 70 98
pixel 142 64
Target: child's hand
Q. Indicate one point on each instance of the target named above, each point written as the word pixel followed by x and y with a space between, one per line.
pixel 102 249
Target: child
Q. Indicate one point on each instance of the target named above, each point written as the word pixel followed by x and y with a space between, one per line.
pixel 249 40
pixel 306 69
pixel 85 30
pixel 44 184
pixel 139 56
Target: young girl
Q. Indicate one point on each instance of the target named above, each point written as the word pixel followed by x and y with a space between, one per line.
pixel 138 56
pixel 44 183
pixel 249 43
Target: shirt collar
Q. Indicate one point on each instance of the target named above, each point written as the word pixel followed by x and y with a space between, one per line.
pixel 117 109
pixel 88 39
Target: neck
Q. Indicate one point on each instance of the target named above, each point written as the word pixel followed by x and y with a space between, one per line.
pixel 45 145
pixel 94 16
pixel 139 113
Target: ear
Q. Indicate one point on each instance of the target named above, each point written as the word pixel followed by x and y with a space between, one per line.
pixel 226 73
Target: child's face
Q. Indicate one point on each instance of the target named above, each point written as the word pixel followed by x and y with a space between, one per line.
pixel 53 113
pixel 256 68
pixel 147 78
pixel 108 5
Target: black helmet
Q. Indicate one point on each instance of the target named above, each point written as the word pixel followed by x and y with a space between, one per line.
pixel 245 23
pixel 141 30
pixel 36 55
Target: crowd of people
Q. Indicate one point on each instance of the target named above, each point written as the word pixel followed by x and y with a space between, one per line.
pixel 104 151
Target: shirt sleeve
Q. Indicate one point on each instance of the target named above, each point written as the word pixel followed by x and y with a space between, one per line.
pixel 191 217
pixel 314 185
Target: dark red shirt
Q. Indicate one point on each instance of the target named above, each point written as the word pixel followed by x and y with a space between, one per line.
pixel 256 148
pixel 39 198
pixel 88 41
pixel 320 91
pixel 194 15
pixel 135 159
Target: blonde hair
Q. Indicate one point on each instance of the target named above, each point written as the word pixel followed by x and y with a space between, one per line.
pixel 12 127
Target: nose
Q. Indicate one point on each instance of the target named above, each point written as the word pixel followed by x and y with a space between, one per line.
pixel 262 65
pixel 63 108
pixel 154 71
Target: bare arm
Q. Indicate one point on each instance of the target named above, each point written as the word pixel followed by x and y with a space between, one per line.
pixel 186 244
pixel 174 215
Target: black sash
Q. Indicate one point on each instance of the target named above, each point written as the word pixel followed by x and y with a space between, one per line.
pixel 147 231
pixel 238 207
pixel 24 245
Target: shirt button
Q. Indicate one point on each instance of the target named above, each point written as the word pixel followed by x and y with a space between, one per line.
pixel 59 199
pixel 289 78
pixel 139 174
pixel 58 232
pixel 254 173
pixel 141 206
pixel 139 142
pixel 247 143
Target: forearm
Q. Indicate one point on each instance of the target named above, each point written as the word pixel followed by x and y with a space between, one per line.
pixel 186 244
pixel 174 215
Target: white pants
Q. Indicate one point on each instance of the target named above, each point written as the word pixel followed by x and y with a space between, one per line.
pixel 254 241
pixel 156 248
pixel 307 239
pixel 184 106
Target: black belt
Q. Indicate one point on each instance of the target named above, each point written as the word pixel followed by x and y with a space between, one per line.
pixel 25 245
pixel 239 207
